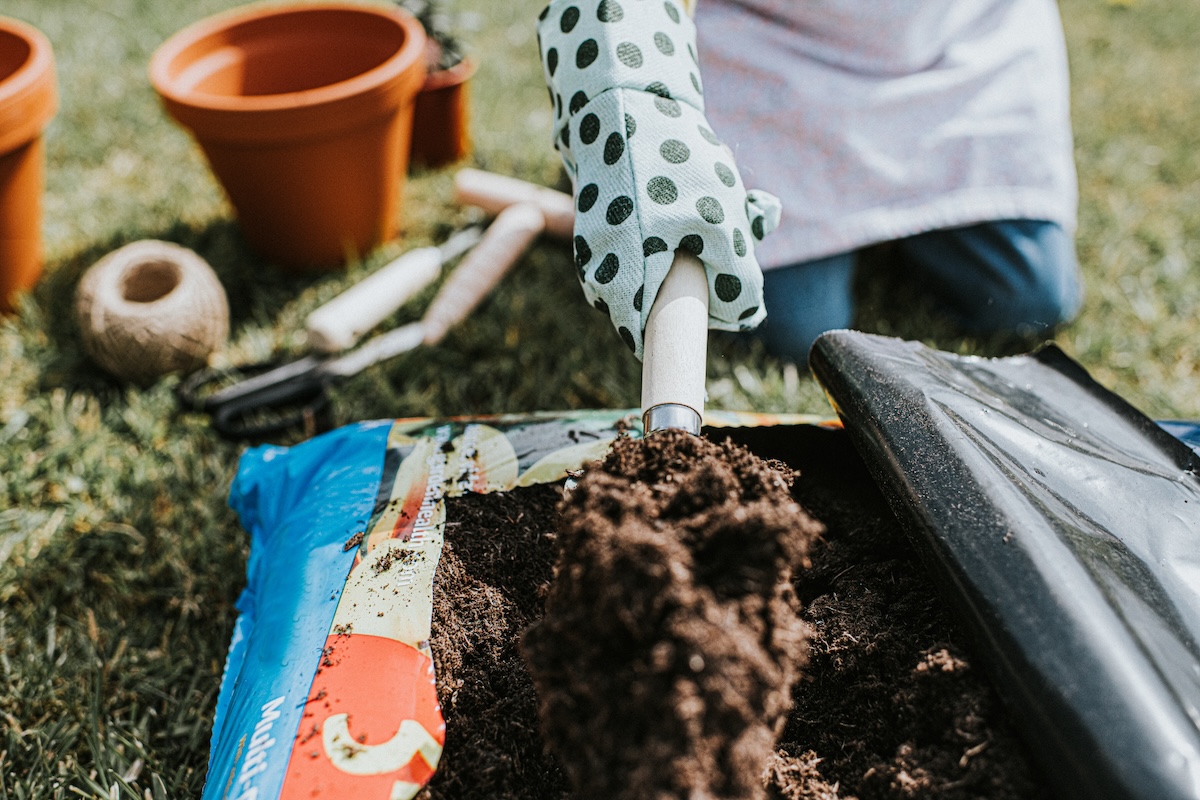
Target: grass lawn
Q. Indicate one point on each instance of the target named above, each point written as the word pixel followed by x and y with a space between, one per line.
pixel 119 561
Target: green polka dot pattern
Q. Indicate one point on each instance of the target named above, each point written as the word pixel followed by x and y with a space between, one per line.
pixel 628 67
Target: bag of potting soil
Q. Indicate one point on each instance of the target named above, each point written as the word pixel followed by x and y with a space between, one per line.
pixel 329 686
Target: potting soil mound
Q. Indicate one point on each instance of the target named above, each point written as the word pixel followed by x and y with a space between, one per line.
pixel 672 634
pixel 889 704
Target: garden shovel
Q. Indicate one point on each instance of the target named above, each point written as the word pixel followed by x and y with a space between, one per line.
pixel 674 362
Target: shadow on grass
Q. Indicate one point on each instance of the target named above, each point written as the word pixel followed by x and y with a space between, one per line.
pixel 256 290
pixel 532 344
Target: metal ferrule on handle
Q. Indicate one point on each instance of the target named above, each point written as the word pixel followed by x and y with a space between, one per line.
pixel 671 416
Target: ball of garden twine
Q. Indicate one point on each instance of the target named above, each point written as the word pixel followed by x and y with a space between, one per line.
pixel 151 308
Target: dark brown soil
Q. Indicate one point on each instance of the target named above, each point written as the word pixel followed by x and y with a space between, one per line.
pixel 889 705
pixel 672 634
pixel 490 586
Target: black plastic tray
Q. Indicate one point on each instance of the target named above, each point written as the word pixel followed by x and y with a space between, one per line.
pixel 1064 528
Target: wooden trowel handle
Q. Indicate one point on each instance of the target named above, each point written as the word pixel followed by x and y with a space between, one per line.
pixel 341 322
pixel 494 193
pixel 675 358
pixel 506 240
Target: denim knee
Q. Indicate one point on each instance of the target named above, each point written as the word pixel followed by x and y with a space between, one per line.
pixel 805 300
pixel 1008 275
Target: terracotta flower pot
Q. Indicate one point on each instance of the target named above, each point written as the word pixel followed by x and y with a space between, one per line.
pixel 305 115
pixel 28 100
pixel 441 122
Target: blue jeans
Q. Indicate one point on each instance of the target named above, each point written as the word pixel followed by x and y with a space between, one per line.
pixel 1009 275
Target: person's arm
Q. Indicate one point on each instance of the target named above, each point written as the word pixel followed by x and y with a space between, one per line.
pixel 649 174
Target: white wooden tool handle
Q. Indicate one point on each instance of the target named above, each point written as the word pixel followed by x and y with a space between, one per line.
pixel 506 240
pixel 341 322
pixel 675 356
pixel 494 193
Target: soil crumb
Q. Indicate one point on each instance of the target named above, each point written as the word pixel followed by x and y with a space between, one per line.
pixel 672 636
pixel 798 777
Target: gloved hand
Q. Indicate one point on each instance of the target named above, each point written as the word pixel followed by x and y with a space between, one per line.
pixel 650 176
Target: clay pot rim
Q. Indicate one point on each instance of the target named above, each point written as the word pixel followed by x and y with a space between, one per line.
pixel 29 96
pixel 441 78
pixel 374 80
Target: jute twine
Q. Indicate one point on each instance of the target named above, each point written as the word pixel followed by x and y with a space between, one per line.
pixel 151 308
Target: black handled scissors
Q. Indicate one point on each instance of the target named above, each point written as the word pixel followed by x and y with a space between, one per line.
pixel 270 398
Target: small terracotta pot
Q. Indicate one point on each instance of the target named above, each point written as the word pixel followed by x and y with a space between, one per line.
pixel 28 100
pixel 305 115
pixel 441 122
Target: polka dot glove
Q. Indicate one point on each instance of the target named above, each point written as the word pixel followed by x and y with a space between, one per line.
pixel 650 176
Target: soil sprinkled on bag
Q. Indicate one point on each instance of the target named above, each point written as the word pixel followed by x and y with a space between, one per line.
pixel 672 636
